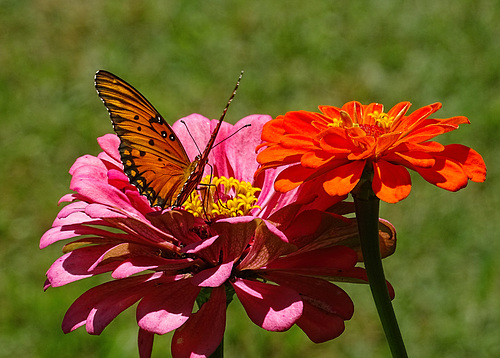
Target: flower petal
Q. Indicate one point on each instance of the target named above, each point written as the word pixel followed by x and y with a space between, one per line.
pixel 100 305
pixel 471 161
pixel 274 308
pixel 391 183
pixel 326 305
pixel 202 333
pixel 166 306
pixel 342 179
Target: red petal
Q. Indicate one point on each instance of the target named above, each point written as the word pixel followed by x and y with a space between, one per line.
pixel 391 183
pixel 202 333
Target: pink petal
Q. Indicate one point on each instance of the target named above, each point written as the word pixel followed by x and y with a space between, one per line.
pixel 76 265
pixel 109 143
pixel 271 307
pixel 166 306
pixel 239 151
pixel 214 276
pixel 100 305
pixel 202 333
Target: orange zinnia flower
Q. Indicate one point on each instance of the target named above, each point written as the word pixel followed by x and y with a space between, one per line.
pixel 337 144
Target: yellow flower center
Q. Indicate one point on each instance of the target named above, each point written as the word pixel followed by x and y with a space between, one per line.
pixel 382 120
pixel 336 123
pixel 222 196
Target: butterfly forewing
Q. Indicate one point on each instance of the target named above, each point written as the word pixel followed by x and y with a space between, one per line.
pixel 153 157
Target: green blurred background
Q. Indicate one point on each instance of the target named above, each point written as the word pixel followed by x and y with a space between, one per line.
pixel 185 57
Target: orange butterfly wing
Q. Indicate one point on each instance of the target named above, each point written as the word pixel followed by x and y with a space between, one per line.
pixel 153 157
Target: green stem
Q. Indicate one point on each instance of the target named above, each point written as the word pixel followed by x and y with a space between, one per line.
pixel 367 214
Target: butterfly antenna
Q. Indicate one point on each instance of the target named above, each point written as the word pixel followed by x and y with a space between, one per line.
pixel 229 136
pixel 232 96
pixel 192 138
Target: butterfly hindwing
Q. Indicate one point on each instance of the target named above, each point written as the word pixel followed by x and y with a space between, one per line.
pixel 153 157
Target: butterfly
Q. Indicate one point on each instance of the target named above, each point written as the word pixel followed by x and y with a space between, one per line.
pixel 153 157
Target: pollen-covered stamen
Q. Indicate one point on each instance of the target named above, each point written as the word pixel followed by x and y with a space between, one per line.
pixel 382 120
pixel 345 121
pixel 222 197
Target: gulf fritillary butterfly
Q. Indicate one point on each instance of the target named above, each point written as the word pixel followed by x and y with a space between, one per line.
pixel 152 155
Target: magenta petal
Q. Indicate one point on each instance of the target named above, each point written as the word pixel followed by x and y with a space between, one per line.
pixel 318 326
pixel 167 306
pixel 274 308
pixel 326 305
pixel 326 261
pixel 202 333
pixel 240 148
pixel 214 276
pixel 76 265
pixel 110 143
pixel 145 342
pixel 100 305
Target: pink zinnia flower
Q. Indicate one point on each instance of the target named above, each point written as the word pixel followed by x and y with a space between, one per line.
pixel 277 252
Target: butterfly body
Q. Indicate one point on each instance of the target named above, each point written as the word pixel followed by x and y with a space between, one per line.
pixel 152 155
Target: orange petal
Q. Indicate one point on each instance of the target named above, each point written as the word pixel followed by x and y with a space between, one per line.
pixel 341 180
pixel 471 161
pixel 273 130
pixel 413 119
pixel 292 177
pixel 315 159
pixel 417 159
pixel 297 141
pixel 391 183
pixel 299 122
pixel 446 174
pixel 277 153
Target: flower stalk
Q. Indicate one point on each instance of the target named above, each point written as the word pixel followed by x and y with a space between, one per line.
pixel 367 214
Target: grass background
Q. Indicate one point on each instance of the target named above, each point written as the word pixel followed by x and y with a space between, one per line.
pixel 185 56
